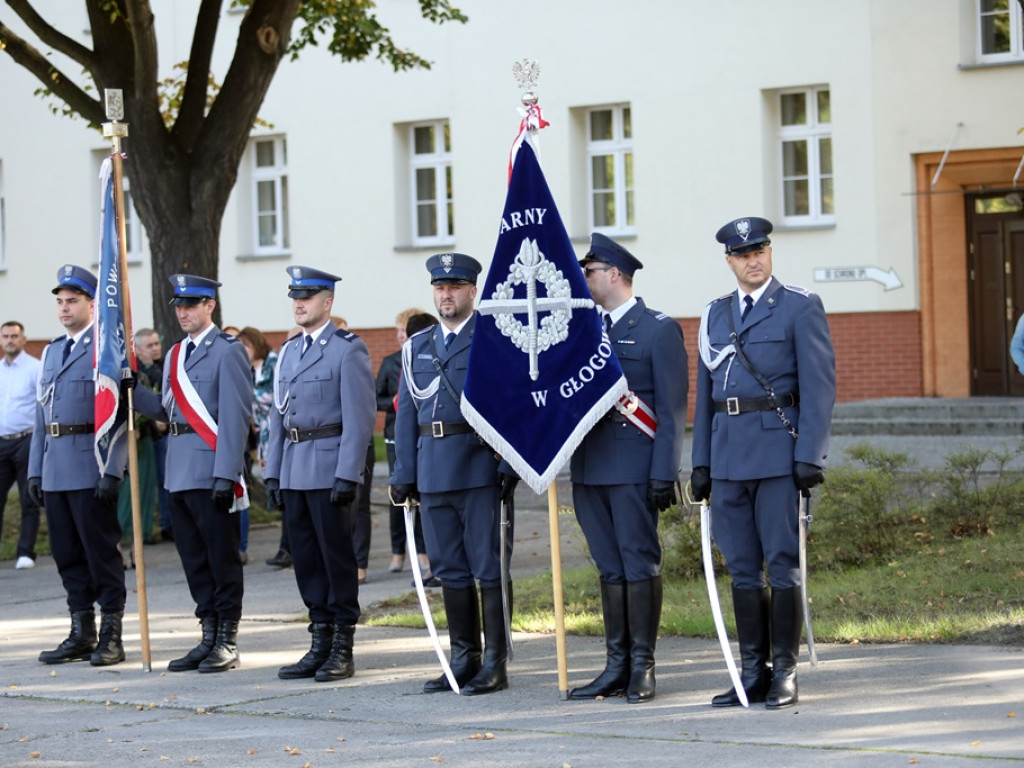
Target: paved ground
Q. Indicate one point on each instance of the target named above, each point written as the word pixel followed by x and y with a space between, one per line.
pixel 863 705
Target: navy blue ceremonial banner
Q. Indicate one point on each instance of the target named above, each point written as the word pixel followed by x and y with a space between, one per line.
pixel 112 363
pixel 541 371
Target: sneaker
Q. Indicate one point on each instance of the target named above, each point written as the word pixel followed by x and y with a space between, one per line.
pixel 24 562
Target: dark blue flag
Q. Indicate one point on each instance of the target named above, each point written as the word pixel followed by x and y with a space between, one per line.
pixel 112 361
pixel 541 371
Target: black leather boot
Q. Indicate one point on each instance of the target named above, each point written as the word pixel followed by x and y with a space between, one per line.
pixel 109 650
pixel 787 622
pixel 612 681
pixel 339 664
pixel 751 609
pixel 78 645
pixel 319 651
pixel 492 675
pixel 643 604
pixel 463 611
pixel 224 654
pixel 194 658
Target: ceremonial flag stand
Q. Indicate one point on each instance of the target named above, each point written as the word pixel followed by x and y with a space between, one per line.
pixel 115 130
pixel 541 370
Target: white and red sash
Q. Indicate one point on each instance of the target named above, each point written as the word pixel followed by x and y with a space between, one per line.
pixel 191 405
pixel 638 413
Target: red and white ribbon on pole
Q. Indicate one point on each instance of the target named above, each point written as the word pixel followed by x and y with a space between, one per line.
pixel 532 120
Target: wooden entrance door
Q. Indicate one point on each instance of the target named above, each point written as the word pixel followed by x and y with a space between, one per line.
pixel 996 283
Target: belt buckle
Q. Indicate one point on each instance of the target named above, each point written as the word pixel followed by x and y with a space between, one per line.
pixel 732 406
pixel 53 429
pixel 173 428
pixel 437 429
pixel 293 434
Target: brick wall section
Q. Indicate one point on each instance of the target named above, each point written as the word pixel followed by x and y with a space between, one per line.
pixel 878 354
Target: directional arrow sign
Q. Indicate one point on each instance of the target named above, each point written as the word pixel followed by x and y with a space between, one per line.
pixel 889 279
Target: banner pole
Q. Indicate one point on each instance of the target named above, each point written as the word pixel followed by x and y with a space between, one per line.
pixel 115 130
pixel 556 588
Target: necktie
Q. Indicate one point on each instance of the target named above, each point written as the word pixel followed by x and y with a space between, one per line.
pixel 448 339
pixel 189 349
pixel 67 350
pixel 607 323
pixel 307 343
pixel 748 304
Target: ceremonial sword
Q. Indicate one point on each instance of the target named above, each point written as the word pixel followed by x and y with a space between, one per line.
pixel 716 608
pixel 805 522
pixel 507 507
pixel 410 537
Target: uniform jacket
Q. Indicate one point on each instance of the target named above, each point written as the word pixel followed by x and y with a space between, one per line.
pixel 219 370
pixel 388 376
pixel 331 384
pixel 68 393
pixel 649 347
pixel 454 462
pixel 786 337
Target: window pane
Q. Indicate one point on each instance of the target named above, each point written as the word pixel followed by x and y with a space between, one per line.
pixel 794 158
pixel 426 220
pixel 286 238
pixel 794 109
pixel 425 184
pixel 796 198
pixel 629 170
pixel 604 171
pixel 264 154
pixel 448 183
pixel 827 205
pixel 266 197
pixel 601 125
pixel 995 33
pixel 451 220
pixel 627 122
pixel 824 107
pixel 604 209
pixel 629 209
pixel 268 229
pixel 447 138
pixel 988 6
pixel 423 138
pixel 825 155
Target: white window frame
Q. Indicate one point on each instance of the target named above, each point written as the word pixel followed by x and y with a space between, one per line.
pixel 618 147
pixel 812 132
pixel 277 175
pixel 440 161
pixel 1016 18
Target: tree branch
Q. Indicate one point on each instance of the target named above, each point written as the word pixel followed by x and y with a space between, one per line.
pixel 50 76
pixel 48 35
pixel 193 102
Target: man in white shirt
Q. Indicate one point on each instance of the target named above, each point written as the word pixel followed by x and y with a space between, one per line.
pixel 19 373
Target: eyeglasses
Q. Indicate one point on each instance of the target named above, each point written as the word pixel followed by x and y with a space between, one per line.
pixel 588 270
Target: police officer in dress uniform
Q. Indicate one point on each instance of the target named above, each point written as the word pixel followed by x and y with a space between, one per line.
pixel 207 382
pixel 459 480
pixel 81 504
pixel 622 477
pixel 322 419
pixel 760 437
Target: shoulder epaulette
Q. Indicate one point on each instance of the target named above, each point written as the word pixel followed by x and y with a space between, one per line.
pixel 59 338
pixel 348 336
pixel 292 337
pixel 228 337
pixel 798 289
pixel 720 298
pixel 421 331
pixel 657 315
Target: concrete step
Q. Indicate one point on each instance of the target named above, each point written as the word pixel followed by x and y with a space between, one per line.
pixel 930 416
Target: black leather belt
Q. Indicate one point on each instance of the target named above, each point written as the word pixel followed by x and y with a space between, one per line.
pixel 59 430
pixel 735 405
pixel 443 429
pixel 16 435
pixel 302 435
pixel 179 428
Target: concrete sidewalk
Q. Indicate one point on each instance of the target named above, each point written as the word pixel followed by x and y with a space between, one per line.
pixel 864 705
